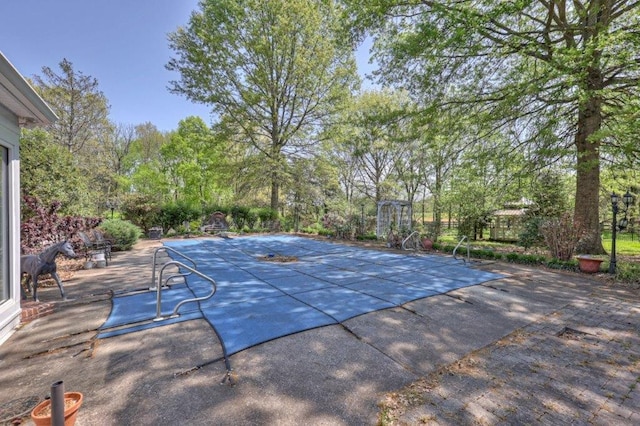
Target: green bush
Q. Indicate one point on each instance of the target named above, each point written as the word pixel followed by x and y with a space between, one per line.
pixel 266 215
pixel 325 232
pixel 567 265
pixel 526 259
pixel 446 248
pixel 513 257
pixel 628 272
pixel 239 215
pixel 122 233
pixel 533 259
pixel 141 210
pixel 480 254
pixel 367 237
pixel 173 215
pixel 531 235
pixel 314 228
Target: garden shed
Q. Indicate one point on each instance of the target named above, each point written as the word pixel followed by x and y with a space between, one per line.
pixel 393 214
pixel 507 224
pixel 20 106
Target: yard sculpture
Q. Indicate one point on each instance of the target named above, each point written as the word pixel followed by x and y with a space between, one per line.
pixel 34 265
pixel 216 223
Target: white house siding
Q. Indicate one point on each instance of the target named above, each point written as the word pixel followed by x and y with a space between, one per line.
pixel 10 304
pixel 20 106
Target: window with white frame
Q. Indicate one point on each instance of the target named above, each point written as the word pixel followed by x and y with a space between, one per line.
pixel 4 226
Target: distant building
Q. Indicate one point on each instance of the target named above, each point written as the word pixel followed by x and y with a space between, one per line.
pixel 507 224
pixel 20 106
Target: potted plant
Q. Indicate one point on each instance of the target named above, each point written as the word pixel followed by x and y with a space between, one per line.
pixel 589 264
pixel 41 414
pixel 429 236
pixel 427 243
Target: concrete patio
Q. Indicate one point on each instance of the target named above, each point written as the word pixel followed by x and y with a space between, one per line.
pixel 534 347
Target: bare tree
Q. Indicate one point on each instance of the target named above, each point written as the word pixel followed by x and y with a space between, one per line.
pixel 81 108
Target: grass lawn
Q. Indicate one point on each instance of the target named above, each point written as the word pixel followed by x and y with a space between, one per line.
pixel 627 251
pixel 626 244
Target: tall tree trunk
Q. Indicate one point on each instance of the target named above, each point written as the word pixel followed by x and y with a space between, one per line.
pixel 437 205
pixel 275 189
pixel 276 154
pixel 586 213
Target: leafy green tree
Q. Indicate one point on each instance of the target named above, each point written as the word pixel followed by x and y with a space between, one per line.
pixel 147 144
pixel 441 153
pixel 193 158
pixel 410 163
pixel 118 146
pixel 48 173
pixel 374 141
pixel 149 180
pixel 341 159
pixel 312 189
pixel 141 167
pixel 82 129
pixel 142 210
pixel 564 73
pixel 239 168
pixel 550 201
pixel 480 180
pixel 275 68
pixel 339 154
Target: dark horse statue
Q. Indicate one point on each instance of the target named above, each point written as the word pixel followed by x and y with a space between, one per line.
pixel 35 265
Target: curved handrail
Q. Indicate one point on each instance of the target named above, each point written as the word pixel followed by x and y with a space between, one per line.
pixel 153 272
pixel 464 237
pixel 408 238
pixel 182 302
pixel 174 314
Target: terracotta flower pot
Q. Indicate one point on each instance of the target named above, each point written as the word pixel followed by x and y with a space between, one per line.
pixel 41 414
pixel 427 244
pixel 589 264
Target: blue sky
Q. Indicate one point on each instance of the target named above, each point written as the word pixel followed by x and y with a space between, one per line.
pixel 122 43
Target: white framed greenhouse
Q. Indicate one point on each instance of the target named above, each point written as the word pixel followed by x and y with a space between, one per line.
pixel 393 215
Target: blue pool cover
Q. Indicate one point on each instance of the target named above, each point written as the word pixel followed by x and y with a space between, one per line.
pixel 258 301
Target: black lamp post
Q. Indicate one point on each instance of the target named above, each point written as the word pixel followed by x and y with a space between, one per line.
pixel 362 218
pixel 627 200
pixel 111 206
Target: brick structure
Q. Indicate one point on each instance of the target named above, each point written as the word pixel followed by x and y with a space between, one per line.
pixel 32 310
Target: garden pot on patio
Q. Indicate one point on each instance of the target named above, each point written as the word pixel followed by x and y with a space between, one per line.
pixel 99 260
pixel 427 243
pixel 155 233
pixel 589 264
pixel 41 414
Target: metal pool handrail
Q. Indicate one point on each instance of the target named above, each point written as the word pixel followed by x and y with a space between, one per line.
pixel 174 314
pixel 195 299
pixel 464 237
pixel 408 238
pixel 153 272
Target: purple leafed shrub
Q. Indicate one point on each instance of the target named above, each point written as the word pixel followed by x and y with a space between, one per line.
pixel 41 226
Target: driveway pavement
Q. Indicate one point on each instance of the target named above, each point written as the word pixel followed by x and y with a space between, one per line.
pixel 533 347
